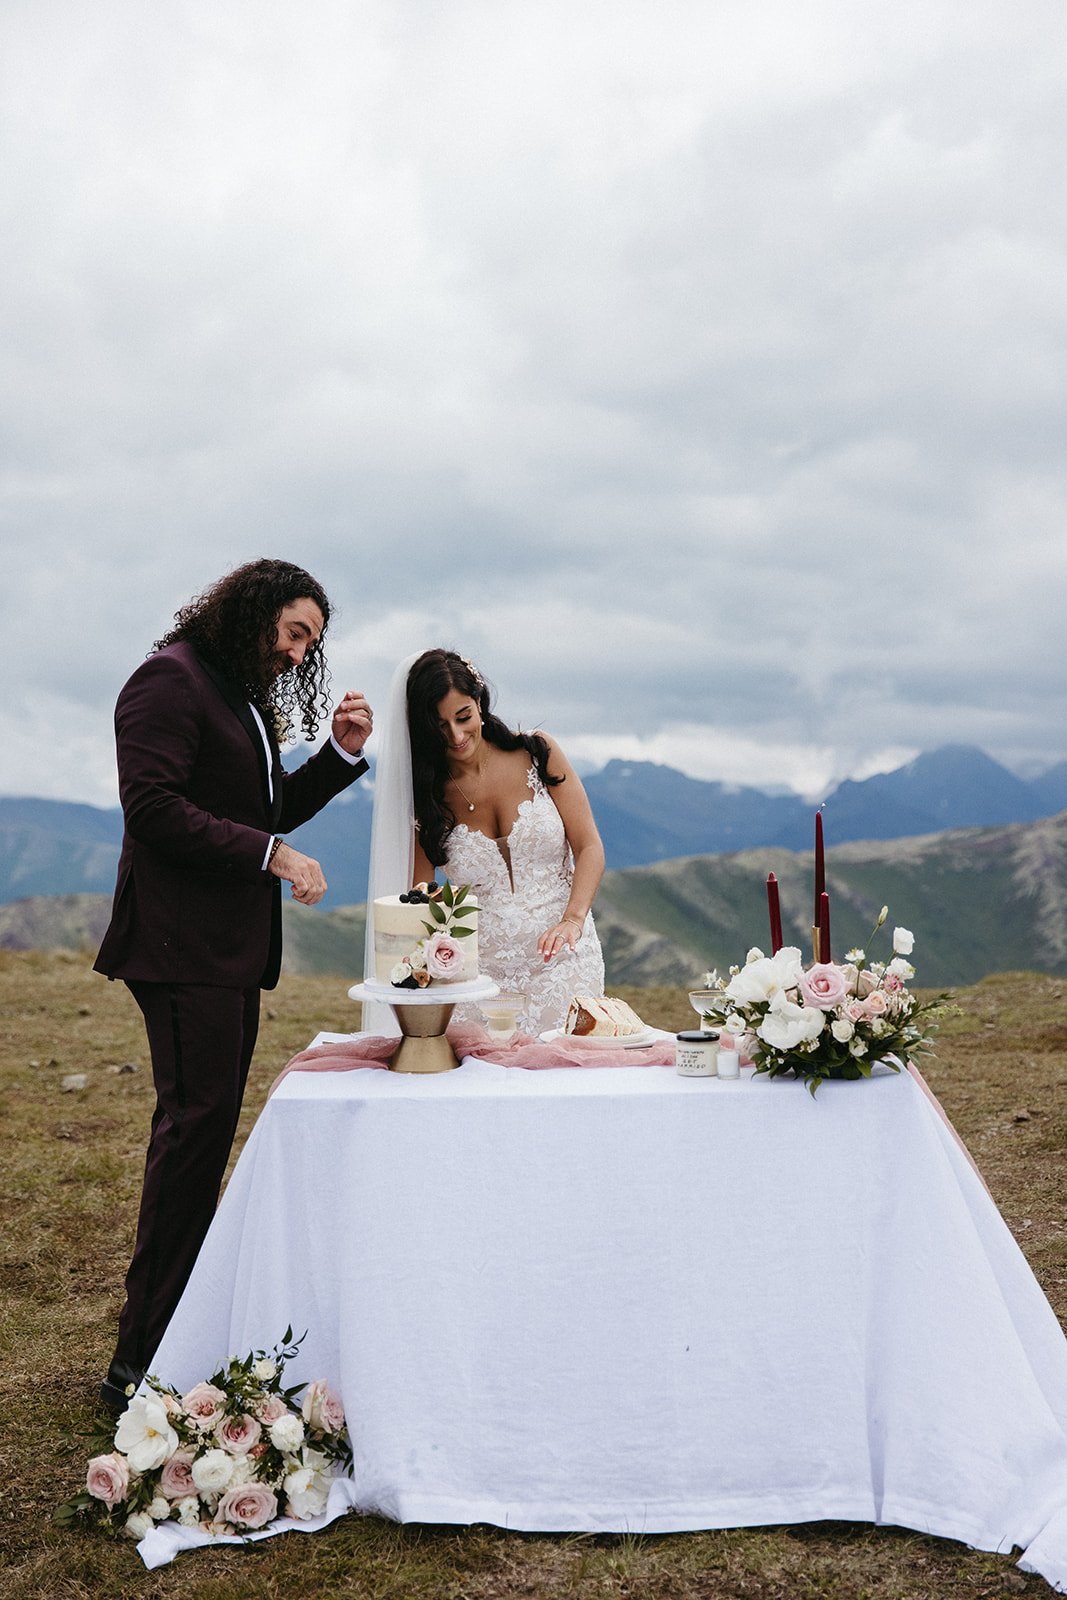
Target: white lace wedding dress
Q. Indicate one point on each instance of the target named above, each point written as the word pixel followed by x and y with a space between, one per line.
pixel 523 883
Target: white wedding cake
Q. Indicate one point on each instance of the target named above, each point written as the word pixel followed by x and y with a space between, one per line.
pixel 426 937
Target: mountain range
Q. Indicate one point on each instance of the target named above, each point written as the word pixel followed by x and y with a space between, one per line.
pixel 978 900
pixel 646 813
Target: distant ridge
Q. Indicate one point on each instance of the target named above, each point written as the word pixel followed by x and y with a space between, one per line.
pixel 978 900
pixel 646 813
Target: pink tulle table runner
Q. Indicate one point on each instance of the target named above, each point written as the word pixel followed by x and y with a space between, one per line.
pixel 467 1039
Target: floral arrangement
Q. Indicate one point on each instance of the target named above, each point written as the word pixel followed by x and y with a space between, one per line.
pixel 828 1020
pixel 439 954
pixel 228 1457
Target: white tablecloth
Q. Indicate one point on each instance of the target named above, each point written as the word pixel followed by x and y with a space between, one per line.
pixel 617 1299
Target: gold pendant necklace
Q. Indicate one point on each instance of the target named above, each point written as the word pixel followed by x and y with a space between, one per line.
pixel 463 792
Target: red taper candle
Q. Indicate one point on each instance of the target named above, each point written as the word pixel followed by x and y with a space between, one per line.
pixel 775 909
pixel 820 869
pixel 824 927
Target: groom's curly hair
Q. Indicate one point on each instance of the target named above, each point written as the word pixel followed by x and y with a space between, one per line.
pixel 433 675
pixel 234 625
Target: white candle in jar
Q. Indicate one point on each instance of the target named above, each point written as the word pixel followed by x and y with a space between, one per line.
pixel 696 1054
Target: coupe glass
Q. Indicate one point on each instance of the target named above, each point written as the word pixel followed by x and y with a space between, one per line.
pixel 700 999
pixel 502 1014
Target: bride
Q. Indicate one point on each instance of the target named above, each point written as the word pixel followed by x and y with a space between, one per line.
pixel 505 812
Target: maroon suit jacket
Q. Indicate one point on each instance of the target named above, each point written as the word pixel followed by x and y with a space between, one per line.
pixel 192 902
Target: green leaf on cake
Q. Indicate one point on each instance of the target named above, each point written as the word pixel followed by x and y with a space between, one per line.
pixel 462 933
pixel 436 912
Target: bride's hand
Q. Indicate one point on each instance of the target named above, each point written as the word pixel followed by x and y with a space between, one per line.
pixel 563 936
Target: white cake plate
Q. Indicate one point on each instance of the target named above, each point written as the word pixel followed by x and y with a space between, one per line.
pixel 422 1016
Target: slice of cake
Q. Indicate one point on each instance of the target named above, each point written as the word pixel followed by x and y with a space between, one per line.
pixel 601 1017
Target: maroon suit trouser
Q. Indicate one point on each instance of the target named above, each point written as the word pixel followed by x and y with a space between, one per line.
pixel 201 1041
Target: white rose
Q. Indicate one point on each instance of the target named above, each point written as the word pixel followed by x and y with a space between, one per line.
pixel 879 1026
pixel 307 1487
pixel 903 941
pixel 842 1030
pixel 902 969
pixel 159 1510
pixel 735 1023
pixel 287 1434
pixel 400 973
pixel 212 1472
pixel 138 1525
pixel 244 1471
pixel 417 959
pixel 264 1370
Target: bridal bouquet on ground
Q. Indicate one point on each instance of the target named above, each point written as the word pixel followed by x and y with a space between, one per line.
pixel 230 1456
pixel 829 1020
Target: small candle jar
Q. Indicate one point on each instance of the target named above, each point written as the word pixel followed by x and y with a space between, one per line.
pixel 696 1054
pixel 729 1064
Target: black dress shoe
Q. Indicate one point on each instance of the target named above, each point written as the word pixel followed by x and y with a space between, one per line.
pixel 119 1386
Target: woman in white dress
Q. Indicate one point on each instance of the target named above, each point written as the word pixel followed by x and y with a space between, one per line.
pixel 506 813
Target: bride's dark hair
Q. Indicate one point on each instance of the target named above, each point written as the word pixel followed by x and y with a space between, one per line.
pixel 433 675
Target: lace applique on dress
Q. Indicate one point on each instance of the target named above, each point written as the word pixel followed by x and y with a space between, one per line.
pixel 514 910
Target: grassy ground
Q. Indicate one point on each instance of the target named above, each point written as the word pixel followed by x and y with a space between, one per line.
pixel 71 1175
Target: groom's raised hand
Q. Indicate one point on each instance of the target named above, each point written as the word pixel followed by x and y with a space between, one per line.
pixel 353 722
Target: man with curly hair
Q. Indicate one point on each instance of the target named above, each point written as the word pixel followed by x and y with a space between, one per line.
pixel 195 930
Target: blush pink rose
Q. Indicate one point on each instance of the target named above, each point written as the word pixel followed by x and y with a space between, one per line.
pixel 322 1409
pixel 238 1434
pixel 824 986
pixel 176 1479
pixel 108 1478
pixel 876 1003
pixel 444 957
pixel 247 1505
pixel 204 1405
pixel 270 1408
pixel 857 1011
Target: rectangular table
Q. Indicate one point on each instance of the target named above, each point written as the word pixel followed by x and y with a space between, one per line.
pixel 617 1299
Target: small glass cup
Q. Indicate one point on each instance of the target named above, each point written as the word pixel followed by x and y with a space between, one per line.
pixel 701 999
pixel 502 1014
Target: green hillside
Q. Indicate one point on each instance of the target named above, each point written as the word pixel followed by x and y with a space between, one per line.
pixel 979 900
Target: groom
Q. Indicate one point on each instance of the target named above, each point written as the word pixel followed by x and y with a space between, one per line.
pixel 196 924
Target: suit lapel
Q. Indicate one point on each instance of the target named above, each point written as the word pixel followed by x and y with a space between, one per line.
pixel 241 709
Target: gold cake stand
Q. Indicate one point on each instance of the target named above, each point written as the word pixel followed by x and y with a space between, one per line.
pixel 422 1016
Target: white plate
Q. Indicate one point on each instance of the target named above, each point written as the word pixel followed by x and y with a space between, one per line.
pixel 628 1041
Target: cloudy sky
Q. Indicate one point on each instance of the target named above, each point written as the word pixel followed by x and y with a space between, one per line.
pixel 698 369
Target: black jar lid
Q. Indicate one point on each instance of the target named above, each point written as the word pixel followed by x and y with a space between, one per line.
pixel 698 1036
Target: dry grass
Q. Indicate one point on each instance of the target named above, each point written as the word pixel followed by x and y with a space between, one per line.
pixel 72 1167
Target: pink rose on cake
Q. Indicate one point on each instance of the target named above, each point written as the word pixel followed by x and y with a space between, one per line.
pixel 444 956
